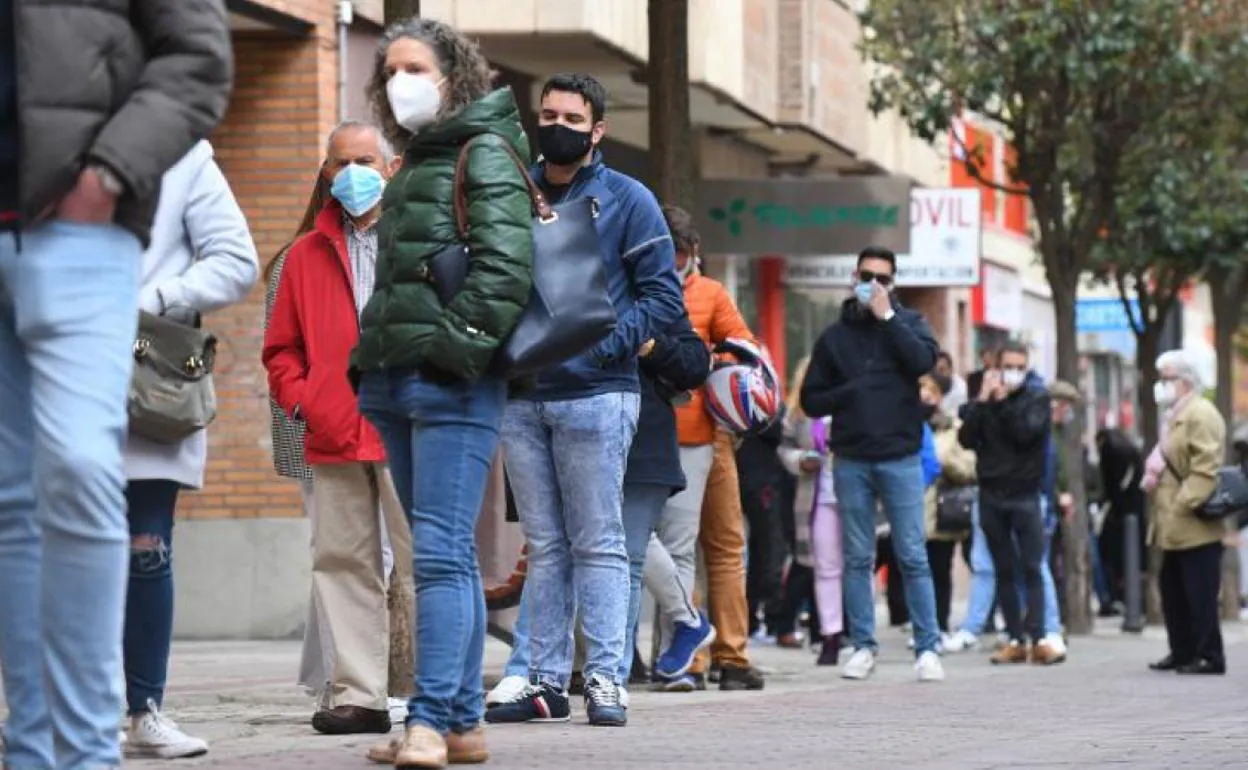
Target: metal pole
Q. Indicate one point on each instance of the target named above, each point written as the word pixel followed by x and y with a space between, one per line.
pixel 1133 618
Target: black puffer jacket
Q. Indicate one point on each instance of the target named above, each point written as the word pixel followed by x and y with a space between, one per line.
pixel 1010 439
pixel 130 84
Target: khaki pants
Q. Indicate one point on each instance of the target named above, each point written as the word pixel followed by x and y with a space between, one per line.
pixel 722 542
pixel 349 585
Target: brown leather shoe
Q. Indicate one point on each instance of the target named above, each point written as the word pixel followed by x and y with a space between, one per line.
pixel 1043 654
pixel 351 720
pixel 422 749
pixel 461 749
pixel 1010 654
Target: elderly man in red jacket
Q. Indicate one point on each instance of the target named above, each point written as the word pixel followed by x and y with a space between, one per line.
pixel 326 281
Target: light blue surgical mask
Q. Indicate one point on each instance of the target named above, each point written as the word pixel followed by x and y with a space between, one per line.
pixel 358 188
pixel 863 291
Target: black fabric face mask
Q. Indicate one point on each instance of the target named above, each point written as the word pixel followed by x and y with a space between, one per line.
pixel 563 146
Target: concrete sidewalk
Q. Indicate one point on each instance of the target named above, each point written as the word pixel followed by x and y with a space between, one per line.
pixel 1102 708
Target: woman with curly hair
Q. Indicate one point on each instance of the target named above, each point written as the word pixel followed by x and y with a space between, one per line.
pixel 423 359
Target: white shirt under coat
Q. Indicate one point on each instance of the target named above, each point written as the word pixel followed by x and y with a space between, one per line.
pixel 202 257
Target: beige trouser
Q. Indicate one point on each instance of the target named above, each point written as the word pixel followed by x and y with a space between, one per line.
pixel 349 582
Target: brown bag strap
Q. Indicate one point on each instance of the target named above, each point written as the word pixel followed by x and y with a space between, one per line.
pixel 541 206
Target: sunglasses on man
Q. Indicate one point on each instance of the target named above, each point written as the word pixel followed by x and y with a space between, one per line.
pixel 883 279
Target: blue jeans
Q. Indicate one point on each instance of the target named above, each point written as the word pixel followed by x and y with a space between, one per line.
pixel 643 506
pixel 898 485
pixel 984 581
pixel 521 645
pixel 149 601
pixel 441 441
pixel 566 463
pixel 68 317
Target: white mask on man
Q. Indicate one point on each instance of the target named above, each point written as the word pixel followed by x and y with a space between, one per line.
pixel 414 100
pixel 1013 378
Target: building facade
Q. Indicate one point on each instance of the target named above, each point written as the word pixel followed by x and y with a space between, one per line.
pixel 778 91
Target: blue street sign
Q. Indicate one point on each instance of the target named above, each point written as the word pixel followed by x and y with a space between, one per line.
pixel 1104 315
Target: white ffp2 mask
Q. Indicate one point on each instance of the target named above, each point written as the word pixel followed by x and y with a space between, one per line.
pixel 414 100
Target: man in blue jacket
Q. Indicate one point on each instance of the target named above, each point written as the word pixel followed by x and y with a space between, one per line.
pixel 567 440
pixel 864 372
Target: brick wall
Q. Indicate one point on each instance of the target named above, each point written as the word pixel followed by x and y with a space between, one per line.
pixel 269 146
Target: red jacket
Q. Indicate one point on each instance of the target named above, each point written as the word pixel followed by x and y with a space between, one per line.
pixel 311 333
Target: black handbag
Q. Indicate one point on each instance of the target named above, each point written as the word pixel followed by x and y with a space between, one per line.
pixel 955 508
pixel 569 310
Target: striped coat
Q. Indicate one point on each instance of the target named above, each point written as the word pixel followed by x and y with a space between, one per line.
pixel 287 433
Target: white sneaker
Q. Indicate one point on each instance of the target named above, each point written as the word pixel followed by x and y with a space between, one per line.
pixel 155 736
pixel 960 641
pixel 1056 643
pixel 929 668
pixel 859 666
pixel 509 690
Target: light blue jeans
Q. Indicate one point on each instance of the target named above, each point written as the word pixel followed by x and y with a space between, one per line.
pixel 566 463
pixel 440 441
pixel 984 580
pixel 643 505
pixel 68 317
pixel 898 485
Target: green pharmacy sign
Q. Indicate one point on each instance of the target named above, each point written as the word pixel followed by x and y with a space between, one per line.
pixel 798 216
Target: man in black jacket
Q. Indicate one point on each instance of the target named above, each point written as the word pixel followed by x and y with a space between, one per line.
pixel 864 372
pixel 1008 427
pixel 98 98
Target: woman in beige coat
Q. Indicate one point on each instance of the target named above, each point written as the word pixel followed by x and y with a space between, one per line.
pixel 1180 475
pixel 957 465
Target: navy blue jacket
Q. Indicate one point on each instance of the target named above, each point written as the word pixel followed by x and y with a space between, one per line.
pixel 865 373
pixel 641 279
pixel 8 110
pixel 680 361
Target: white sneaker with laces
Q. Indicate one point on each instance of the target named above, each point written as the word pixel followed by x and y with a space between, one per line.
pixel 929 668
pixel 509 690
pixel 859 666
pixel 961 641
pixel 155 736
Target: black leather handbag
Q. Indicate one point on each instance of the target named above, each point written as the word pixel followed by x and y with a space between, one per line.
pixel 569 310
pixel 955 508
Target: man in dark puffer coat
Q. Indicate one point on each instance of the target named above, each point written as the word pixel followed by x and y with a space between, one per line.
pixel 98 98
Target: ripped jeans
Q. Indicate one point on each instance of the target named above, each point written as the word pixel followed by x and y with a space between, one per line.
pixel 149 600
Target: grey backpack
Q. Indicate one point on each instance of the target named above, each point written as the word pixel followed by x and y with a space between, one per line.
pixel 171 391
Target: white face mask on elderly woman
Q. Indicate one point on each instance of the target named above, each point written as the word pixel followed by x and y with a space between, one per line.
pixel 1165 393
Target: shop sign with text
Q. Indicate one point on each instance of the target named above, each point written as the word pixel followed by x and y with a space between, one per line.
pixel 945 245
pixel 803 216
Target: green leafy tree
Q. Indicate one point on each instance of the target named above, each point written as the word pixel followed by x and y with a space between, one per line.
pixel 1073 84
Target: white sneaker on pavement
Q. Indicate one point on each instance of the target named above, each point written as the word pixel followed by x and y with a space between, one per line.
pixel 929 668
pixel 1056 643
pixel 960 641
pixel 508 690
pixel 155 736
pixel 859 666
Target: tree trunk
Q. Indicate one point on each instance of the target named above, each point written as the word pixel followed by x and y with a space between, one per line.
pixel 672 148
pixel 1075 556
pixel 1228 288
pixel 398 10
pixel 1147 348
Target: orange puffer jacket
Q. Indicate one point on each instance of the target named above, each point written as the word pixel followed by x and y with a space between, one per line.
pixel 715 318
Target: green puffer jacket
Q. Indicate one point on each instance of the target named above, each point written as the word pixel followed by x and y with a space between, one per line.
pixel 404 326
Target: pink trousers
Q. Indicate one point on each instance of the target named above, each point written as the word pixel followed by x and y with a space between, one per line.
pixel 825 546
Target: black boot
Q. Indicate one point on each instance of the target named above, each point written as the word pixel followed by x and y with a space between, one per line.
pixel 830 654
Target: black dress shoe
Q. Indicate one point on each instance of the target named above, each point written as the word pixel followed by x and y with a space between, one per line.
pixel 351 720
pixel 1202 666
pixel 1165 664
pixel 734 678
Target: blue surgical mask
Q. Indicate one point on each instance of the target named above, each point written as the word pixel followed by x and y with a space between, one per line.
pixel 863 291
pixel 358 188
